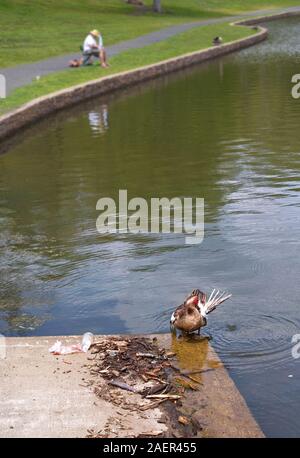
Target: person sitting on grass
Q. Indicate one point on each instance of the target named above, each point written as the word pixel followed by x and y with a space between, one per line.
pixel 93 47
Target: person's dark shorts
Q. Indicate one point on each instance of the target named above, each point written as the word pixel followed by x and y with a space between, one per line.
pixel 88 54
pixel 91 53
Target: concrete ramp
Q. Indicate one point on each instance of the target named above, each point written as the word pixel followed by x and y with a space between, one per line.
pixel 42 395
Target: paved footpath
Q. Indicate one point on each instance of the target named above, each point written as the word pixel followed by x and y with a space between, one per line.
pixel 21 75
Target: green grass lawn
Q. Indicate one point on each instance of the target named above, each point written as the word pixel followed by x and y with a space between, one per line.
pixel 192 40
pixel 33 30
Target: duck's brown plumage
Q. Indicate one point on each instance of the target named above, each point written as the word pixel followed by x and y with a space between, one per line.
pixel 187 317
pixel 191 315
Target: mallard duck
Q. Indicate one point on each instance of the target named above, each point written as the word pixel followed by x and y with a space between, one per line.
pixel 217 40
pixel 191 316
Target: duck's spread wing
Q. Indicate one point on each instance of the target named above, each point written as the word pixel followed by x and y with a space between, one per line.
pixel 216 298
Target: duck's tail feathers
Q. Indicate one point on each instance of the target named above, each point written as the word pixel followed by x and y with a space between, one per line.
pixel 216 298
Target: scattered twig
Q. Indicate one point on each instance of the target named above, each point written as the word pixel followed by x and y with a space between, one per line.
pixel 200 371
pixel 194 379
pixel 183 420
pixel 174 397
pixel 150 434
pixel 147 355
pixel 122 385
pixel 186 383
pixel 153 404
pixel 154 389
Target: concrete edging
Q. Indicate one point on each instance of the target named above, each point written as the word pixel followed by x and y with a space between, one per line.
pixel 41 107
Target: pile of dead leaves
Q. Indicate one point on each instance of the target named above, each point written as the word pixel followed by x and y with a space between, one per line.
pixel 139 366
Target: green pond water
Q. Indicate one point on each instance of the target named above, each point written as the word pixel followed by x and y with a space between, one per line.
pixel 227 131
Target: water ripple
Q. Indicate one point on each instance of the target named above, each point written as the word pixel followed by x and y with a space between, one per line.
pixel 258 343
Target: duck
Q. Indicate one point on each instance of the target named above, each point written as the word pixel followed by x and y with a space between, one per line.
pixel 191 315
pixel 217 41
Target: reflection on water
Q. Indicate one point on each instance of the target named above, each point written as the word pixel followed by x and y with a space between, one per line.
pixel 98 120
pixel 226 131
pixel 192 354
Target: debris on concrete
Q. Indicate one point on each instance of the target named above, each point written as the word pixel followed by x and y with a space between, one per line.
pixel 59 349
pixel 136 375
pixel 183 420
pixel 74 392
pixel 135 365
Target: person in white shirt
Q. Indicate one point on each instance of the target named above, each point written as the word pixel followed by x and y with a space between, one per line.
pixel 93 47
